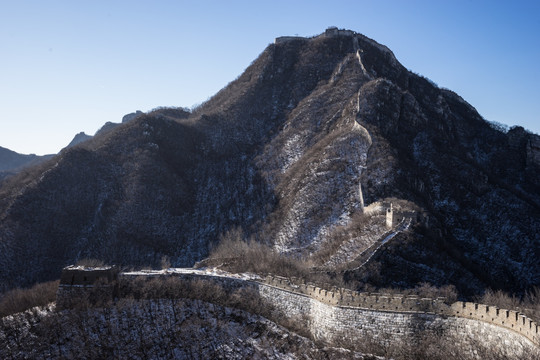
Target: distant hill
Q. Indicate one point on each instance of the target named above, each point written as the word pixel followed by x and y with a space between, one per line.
pixel 304 152
pixel 11 162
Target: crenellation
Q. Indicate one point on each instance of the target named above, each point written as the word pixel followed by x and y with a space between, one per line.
pixel 396 303
pixel 514 316
pixel 346 314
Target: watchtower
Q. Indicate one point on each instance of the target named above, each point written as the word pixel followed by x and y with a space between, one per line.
pixel 87 276
pixel 390 217
pixel 86 285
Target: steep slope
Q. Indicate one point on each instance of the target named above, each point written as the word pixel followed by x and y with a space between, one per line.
pixel 303 151
pixel 482 191
pixel 115 197
pixel 177 329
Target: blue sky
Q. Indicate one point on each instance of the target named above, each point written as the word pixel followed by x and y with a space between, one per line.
pixel 71 66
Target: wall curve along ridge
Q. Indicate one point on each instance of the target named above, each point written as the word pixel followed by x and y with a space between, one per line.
pixel 343 315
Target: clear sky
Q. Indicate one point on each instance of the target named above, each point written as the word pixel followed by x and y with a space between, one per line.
pixel 71 66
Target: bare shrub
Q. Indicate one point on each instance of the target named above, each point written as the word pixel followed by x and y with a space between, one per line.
pixel 500 299
pixel 244 298
pixel 18 300
pixel 529 304
pixel 242 255
pixel 427 290
pixel 340 235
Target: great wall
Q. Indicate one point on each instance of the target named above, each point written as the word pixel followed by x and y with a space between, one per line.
pixel 338 314
pixel 341 315
pixel 330 32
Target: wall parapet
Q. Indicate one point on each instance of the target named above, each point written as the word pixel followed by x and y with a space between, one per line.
pixel 338 297
pixel 349 298
pixel 509 319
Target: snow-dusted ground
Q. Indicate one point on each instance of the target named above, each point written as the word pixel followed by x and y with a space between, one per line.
pixel 404 225
pixel 202 271
pixel 356 246
pixel 88 268
pixel 155 329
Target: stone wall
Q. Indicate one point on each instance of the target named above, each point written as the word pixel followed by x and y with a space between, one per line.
pixel 346 317
pixel 330 32
pixel 80 284
pixel 283 39
pixel 334 31
pixel 395 217
pixel 508 319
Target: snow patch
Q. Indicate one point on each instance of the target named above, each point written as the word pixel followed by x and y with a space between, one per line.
pixel 293 151
pixel 364 71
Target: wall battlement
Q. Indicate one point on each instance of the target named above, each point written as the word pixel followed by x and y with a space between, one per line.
pixel 509 319
pixel 298 298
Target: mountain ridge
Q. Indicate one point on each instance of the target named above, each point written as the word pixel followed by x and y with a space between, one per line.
pixel 12 162
pixel 292 151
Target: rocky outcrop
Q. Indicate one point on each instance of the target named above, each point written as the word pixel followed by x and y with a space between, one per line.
pixel 79 138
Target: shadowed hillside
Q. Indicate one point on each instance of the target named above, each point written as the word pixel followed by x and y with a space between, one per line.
pixel 294 152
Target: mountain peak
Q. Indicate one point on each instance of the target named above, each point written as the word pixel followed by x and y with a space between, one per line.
pixel 302 152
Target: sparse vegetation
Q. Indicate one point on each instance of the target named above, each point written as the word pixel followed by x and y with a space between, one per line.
pixel 437 346
pixel 237 254
pixel 529 304
pixel 147 329
pixel 18 300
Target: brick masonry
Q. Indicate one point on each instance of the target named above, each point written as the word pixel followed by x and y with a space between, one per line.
pixel 345 316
